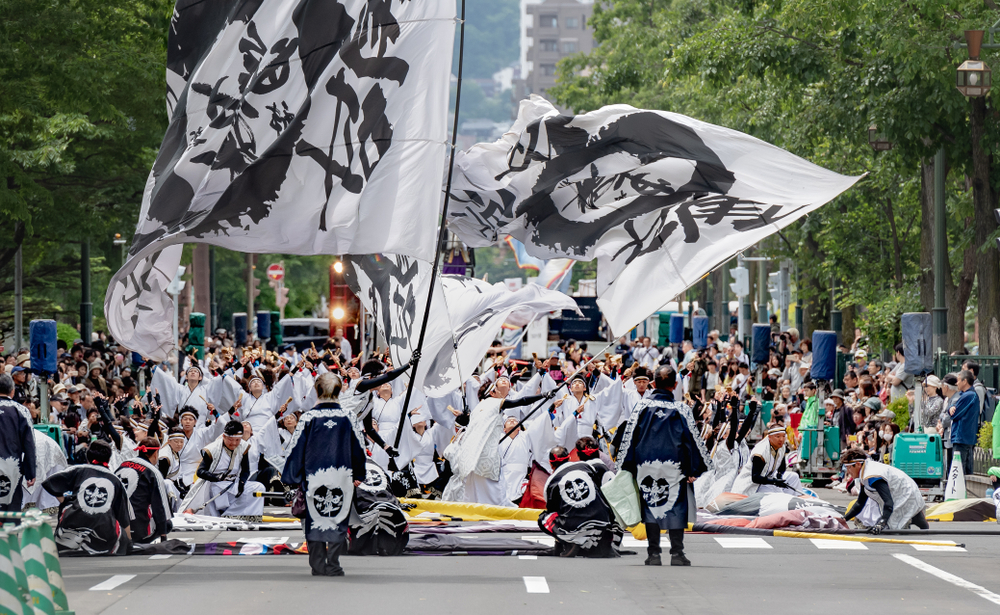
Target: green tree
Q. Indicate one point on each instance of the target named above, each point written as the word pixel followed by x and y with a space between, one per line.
pixel 82 113
pixel 811 76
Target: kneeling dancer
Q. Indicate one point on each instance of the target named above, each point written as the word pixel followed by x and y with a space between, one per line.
pixel 576 514
pixel 225 464
pixel 94 511
pixel 887 490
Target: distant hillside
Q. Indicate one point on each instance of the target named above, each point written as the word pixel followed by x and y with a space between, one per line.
pixel 491 36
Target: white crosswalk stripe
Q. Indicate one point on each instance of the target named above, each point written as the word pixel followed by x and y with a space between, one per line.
pixel 823 543
pixel 536 585
pixel 742 542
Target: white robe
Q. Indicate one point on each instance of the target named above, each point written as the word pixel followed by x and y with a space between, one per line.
pixel 772 461
pixel 475 459
pixel 515 457
pixel 906 498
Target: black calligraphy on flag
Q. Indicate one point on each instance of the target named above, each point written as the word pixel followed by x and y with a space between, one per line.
pixel 292 130
pixel 659 199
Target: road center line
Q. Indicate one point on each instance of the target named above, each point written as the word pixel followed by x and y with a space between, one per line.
pixel 113 582
pixel 536 585
pixel 947 576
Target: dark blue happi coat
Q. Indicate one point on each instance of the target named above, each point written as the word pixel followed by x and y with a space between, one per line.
pixel 17 453
pixel 660 449
pixel 325 458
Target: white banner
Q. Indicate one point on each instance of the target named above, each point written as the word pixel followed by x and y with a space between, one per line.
pixel 659 199
pixel 466 315
pixel 297 127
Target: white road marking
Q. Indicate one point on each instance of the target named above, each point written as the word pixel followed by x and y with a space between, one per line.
pixel 742 542
pixel 630 541
pixel 527 557
pixel 548 541
pixel 823 543
pixel 536 585
pixel 113 582
pixel 947 548
pixel 947 576
pixel 161 556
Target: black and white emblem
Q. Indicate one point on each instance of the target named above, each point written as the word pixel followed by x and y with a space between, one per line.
pixel 328 501
pixel 10 478
pixel 329 496
pixel 375 479
pixel 95 495
pixel 659 485
pixel 577 489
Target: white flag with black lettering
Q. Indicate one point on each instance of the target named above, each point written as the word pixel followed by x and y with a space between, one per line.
pixel 659 199
pixel 297 127
pixel 466 315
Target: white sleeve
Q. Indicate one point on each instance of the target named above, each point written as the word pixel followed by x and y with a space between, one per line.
pixel 548 384
pixel 566 432
pixel 530 387
pixel 609 405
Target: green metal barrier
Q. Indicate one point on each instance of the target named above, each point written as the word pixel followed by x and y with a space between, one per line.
pixel 989 366
pixel 31 580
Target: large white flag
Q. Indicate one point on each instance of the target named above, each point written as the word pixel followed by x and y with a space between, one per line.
pixel 659 199
pixel 466 315
pixel 296 126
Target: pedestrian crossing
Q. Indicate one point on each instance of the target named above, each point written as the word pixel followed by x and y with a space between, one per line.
pixel 695 542
pixel 825 544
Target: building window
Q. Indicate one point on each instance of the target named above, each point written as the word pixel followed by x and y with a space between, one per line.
pixel 569 47
pixel 572 23
pixel 548 21
pixel 549 45
pixel 548 70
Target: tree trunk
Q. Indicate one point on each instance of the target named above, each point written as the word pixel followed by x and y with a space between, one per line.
pixel 847 314
pixel 815 311
pixel 896 250
pixel 957 297
pixel 927 234
pixel 988 266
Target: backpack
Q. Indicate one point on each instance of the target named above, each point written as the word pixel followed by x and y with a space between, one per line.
pixel 989 404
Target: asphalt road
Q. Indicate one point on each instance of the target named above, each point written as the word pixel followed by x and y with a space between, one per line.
pixel 766 575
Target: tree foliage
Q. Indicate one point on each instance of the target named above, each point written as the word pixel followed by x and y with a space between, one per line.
pixel 82 113
pixel 811 76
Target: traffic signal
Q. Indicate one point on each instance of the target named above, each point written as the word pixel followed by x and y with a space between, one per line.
pixel 281 297
pixel 774 288
pixel 741 281
pixel 256 285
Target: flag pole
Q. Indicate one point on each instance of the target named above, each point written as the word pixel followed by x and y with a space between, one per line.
pixel 565 382
pixel 442 232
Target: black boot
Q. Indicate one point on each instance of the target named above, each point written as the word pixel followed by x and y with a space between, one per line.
pixel 677 548
pixel 333 568
pixel 653 540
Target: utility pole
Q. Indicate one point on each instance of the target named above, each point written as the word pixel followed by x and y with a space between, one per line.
pixel 939 340
pixel 251 293
pixel 18 301
pixel 836 318
pixel 86 307
pixel 214 309
pixel 762 291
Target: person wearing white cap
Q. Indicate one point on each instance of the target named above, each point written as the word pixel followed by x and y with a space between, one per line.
pixel 768 470
pixel 933 404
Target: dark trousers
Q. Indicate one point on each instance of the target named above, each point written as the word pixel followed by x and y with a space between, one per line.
pixel 966 451
pixel 324 557
pixel 653 536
